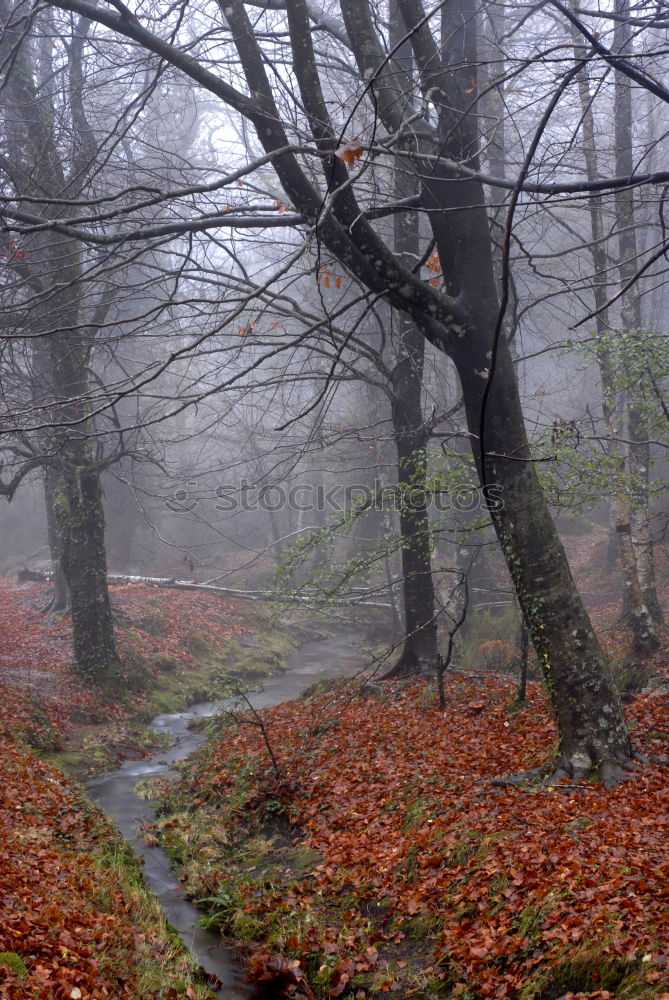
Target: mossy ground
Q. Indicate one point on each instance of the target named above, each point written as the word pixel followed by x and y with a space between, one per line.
pixel 163 683
pixel 15 964
pixel 174 686
pixel 164 964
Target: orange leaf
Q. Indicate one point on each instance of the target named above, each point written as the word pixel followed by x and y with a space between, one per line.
pixel 349 153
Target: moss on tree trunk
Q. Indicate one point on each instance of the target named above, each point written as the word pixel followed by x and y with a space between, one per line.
pixel 78 508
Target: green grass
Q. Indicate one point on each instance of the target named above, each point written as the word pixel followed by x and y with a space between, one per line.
pixel 591 970
pixel 159 959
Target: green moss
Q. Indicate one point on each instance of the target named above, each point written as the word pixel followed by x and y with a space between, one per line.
pixel 497 886
pixel 101 749
pixel 244 927
pixel 590 970
pixel 41 733
pixel 415 811
pixel 14 962
pixel 422 927
pixel 227 910
pixel 302 859
pixel 530 921
pixel 433 988
pixel 468 847
pixel 630 677
pixel 165 664
pixel 326 686
pixel 71 761
pixel 173 686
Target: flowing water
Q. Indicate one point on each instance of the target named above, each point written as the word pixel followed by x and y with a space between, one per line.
pixel 116 793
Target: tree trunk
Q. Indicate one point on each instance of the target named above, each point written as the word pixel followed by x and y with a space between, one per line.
pixel 583 695
pixel 419 652
pixel 61 361
pixel 80 517
pixel 524 644
pixel 636 610
pixel 77 494
pixel 61 599
pixel 639 450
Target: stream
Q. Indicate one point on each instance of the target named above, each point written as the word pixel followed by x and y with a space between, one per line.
pixel 116 794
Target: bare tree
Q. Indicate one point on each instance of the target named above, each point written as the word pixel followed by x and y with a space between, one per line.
pixel 50 297
pixel 434 130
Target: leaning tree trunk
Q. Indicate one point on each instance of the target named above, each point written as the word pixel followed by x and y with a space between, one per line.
pixel 584 698
pixel 582 692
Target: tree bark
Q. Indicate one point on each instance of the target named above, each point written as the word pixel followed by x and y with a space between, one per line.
pixel 419 652
pixel 79 512
pixel 583 695
pixel 639 450
pixel 61 599
pixel 524 645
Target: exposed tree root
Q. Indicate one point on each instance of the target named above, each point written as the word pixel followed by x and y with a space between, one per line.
pixel 57 613
pixel 519 778
pixel 55 609
pixel 611 772
pixel 408 665
pixel 411 664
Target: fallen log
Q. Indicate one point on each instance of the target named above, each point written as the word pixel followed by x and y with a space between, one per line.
pixel 171 583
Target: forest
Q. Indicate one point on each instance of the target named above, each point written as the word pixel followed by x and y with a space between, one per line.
pixel 334 658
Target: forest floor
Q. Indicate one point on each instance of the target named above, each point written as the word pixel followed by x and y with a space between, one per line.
pixel 378 861
pixel 383 861
pixel 177 647
pixel 76 922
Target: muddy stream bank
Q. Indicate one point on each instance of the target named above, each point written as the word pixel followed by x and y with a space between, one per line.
pixel 116 793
